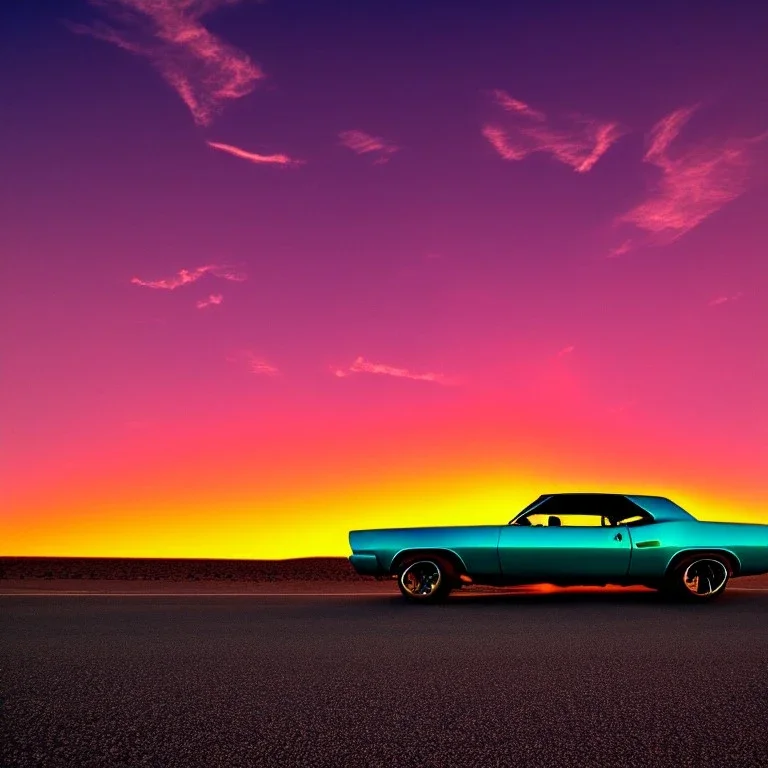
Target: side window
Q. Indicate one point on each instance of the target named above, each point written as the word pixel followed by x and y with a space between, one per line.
pixel 566 519
pixel 626 512
pixel 536 518
pixel 595 521
pixel 585 509
pixel 634 520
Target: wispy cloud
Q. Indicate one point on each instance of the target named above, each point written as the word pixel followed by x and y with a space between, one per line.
pixel 254 157
pixel 361 365
pixel 725 299
pixel 501 142
pixel 262 367
pixel 362 143
pixel 205 71
pixel 566 350
pixel 504 100
pixel 695 182
pixel 187 276
pixel 214 299
pixel 620 250
pixel 253 363
pixel 575 140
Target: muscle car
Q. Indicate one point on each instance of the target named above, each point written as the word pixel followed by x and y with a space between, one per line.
pixel 569 539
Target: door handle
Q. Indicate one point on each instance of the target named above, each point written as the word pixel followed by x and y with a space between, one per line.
pixel 618 537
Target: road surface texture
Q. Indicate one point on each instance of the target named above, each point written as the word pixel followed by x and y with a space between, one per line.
pixel 564 679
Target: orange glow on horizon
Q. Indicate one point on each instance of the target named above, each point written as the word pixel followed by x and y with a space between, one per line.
pixel 222 497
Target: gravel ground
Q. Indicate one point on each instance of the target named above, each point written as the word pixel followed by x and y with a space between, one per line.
pixel 560 679
pixel 33 569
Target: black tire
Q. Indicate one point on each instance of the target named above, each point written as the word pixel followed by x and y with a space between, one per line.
pixel 425 578
pixel 699 578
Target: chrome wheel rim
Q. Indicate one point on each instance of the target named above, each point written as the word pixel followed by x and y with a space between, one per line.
pixel 705 577
pixel 421 579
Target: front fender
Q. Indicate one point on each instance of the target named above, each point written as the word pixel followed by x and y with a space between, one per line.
pixel 656 547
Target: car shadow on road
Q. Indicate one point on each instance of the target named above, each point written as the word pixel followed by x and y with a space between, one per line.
pixel 574 597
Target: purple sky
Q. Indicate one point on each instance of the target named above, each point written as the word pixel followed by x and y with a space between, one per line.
pixel 218 213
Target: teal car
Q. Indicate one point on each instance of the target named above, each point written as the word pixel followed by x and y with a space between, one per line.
pixel 569 539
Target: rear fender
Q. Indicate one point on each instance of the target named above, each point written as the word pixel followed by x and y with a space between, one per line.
pixel 678 556
pixel 447 554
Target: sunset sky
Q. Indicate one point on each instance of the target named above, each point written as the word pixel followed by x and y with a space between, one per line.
pixel 277 270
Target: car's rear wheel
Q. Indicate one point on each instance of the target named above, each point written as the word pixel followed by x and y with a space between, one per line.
pixel 699 577
pixel 425 579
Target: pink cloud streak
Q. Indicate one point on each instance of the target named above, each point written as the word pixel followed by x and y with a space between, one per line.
pixel 205 71
pixel 255 364
pixel 187 276
pixel 620 250
pixel 213 300
pixel 724 299
pixel 499 140
pixel 362 143
pixel 694 184
pixel 505 101
pixel 261 367
pixel 361 365
pixel 580 143
pixel 254 157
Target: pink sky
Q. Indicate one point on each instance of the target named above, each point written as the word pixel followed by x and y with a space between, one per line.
pixel 307 257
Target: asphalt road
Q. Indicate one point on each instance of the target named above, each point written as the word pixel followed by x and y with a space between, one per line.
pixel 530 680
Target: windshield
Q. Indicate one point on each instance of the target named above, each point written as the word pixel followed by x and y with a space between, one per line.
pixel 531 506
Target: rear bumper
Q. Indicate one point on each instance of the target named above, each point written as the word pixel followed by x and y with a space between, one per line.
pixel 366 565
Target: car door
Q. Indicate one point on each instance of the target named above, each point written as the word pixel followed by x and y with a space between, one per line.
pixel 569 552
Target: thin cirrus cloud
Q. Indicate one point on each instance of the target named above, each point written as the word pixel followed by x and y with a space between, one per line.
pixel 361 365
pixel 253 157
pixel 695 182
pixel 260 367
pixel 504 100
pixel 576 141
pixel 205 71
pixel 362 143
pixel 620 250
pixel 213 300
pixel 718 300
pixel 188 276
pixel 253 363
pixel 499 140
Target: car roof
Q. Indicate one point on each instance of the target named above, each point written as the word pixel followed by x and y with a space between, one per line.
pixel 660 508
pixel 602 493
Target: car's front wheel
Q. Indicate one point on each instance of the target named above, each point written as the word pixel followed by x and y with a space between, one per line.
pixel 425 579
pixel 699 577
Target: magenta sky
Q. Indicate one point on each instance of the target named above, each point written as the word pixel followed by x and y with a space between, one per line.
pixel 317 228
